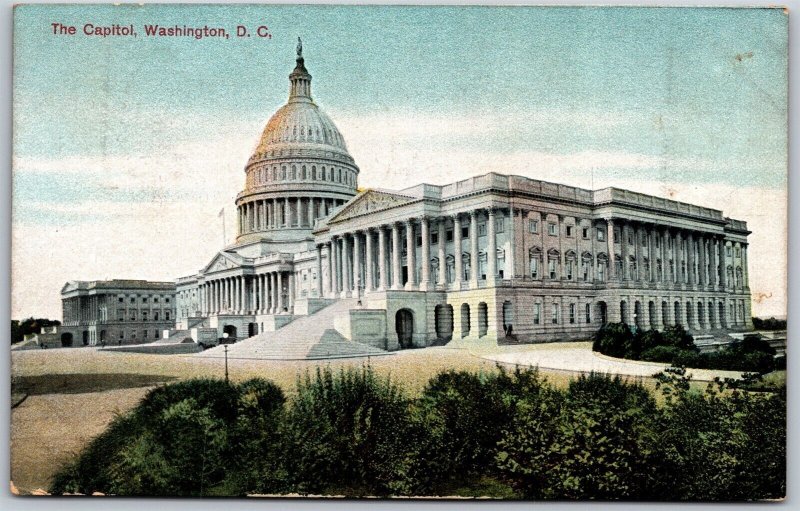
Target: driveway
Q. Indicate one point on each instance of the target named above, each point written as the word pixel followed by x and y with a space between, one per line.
pixel 581 359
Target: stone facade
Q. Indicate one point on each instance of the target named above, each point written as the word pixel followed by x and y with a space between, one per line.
pixel 490 258
pixel 115 312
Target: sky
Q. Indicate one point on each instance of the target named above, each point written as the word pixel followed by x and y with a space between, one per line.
pixel 126 148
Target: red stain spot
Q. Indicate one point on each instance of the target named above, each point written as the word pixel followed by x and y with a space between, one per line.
pixel 760 297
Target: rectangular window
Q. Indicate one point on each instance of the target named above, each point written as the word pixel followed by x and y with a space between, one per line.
pixel 434 237
pixel 568 229
pixel 572 313
pixel 588 313
pixel 569 269
pixel 728 251
pixel 554 312
pixel 419 240
pixel 738 252
pixel 534 267
pixel 533 226
pixel 630 239
pixel 121 315
pixel 586 233
pixel 616 236
pixel 167 300
pixel 601 272
pixel 537 313
pixel 585 271
pixel 120 299
pixel 552 229
pixel 601 234
pixel 465 232
pixel 482 229
pixel 499 224
pixel 551 268
pixel 144 300
pixel 155 299
pixel 448 235
pixel 133 299
pixel 166 315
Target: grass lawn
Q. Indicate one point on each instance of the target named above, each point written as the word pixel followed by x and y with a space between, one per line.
pixel 72 394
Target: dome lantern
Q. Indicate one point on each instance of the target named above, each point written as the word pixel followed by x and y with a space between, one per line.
pixel 300 79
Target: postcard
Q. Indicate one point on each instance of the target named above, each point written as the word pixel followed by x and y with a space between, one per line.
pixel 532 253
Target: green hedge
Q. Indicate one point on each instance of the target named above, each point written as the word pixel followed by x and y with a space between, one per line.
pixel 500 434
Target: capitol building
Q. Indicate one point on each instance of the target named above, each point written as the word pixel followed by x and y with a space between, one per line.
pixel 493 258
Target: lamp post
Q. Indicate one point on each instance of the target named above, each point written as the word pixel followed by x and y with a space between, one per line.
pixel 226 363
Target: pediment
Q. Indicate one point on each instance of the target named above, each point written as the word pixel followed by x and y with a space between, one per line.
pixel 222 261
pixel 370 201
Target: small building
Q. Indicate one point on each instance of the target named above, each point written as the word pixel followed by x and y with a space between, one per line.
pixel 115 312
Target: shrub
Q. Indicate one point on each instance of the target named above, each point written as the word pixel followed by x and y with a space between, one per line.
pixel 593 441
pixel 613 339
pixel 470 412
pixel 676 335
pixel 661 354
pixel 348 433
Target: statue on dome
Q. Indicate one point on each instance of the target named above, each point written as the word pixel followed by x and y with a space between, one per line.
pixel 299 48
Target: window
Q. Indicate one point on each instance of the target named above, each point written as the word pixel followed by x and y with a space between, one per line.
pixel 120 299
pixel 121 315
pixel 570 264
pixel 728 251
pixel 537 313
pixel 630 238
pixel 554 312
pixel 568 231
pixel 738 252
pixel 572 313
pixel 585 270
pixel 482 229
pixel 465 232
pixel 166 315
pixel 601 271
pixel 499 224
pixel 552 229
pixel 144 300
pixel 133 299
pixel 448 235
pixel 155 299
pixel 601 234
pixel 586 233
pixel 533 226
pixel 167 300
pixel 588 313
pixel 534 267
pixel 616 236
pixel 419 240
pixel 551 268
pixel 434 237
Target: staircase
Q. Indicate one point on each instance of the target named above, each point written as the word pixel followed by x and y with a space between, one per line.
pixel 309 337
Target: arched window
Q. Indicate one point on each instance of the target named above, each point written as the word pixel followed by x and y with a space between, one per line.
pixel 313 173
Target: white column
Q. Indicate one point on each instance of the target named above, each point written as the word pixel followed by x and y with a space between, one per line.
pixel 329 280
pixel 458 267
pixel 443 253
pixel 291 283
pixel 473 256
pixel 396 269
pixel 356 263
pixel 426 255
pixel 319 271
pixel 491 249
pixel 612 266
pixel 383 274
pixel 370 262
pixel 410 250
pixel 511 263
pixel 279 280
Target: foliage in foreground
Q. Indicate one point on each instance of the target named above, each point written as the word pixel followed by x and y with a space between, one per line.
pixel 19 329
pixel 500 434
pixel 675 346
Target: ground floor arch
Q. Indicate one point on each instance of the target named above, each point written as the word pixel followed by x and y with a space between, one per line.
pixel 602 312
pixel 229 332
pixel 443 321
pixel 66 340
pixel 404 327
pixel 252 329
pixel 465 320
pixel 483 319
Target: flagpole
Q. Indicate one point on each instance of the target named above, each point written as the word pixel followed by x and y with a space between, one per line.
pixel 224 237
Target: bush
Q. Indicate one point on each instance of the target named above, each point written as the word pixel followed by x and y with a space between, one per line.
pixel 591 442
pixel 677 336
pixel 178 441
pixel 665 354
pixel 769 324
pixel 470 412
pixel 613 339
pixel 348 433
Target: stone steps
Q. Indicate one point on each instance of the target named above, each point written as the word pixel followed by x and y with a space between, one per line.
pixel 306 338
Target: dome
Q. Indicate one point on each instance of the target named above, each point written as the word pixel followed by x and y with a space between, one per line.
pixel 300 126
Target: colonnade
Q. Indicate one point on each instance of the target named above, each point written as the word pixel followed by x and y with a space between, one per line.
pixel 671 255
pixel 266 293
pixel 384 257
pixel 696 313
pixel 266 214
